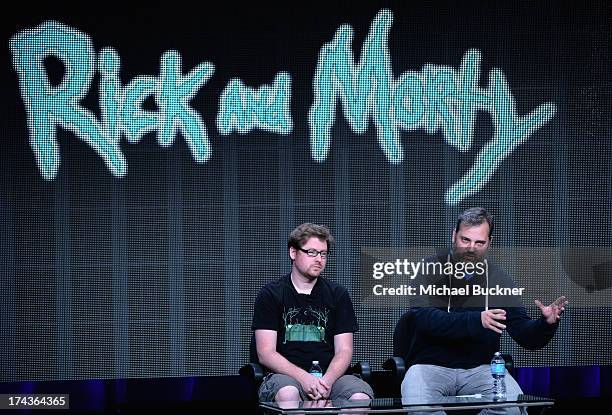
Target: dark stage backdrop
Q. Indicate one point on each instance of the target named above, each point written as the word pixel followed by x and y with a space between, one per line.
pixel 154 159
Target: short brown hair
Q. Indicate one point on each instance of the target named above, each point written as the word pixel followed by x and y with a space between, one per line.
pixel 305 231
pixel 473 217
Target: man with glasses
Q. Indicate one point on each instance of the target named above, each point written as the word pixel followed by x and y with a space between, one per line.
pixel 303 317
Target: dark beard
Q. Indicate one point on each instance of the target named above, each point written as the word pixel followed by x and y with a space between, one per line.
pixel 457 256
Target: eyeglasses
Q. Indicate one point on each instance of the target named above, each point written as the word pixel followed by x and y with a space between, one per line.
pixel 313 253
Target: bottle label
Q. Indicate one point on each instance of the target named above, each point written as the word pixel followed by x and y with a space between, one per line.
pixel 317 374
pixel 498 368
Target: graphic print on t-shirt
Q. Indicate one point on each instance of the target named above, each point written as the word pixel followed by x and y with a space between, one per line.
pixel 305 324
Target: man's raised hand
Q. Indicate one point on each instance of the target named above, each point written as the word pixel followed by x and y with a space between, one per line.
pixel 552 313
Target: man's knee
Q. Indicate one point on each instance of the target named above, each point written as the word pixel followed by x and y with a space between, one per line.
pixel 287 393
pixel 359 396
pixel 277 387
pixel 512 386
pixel 348 386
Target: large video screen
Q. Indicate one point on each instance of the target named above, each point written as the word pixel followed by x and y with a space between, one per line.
pixel 155 157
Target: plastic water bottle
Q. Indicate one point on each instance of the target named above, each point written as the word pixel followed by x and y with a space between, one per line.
pixel 315 369
pixel 498 371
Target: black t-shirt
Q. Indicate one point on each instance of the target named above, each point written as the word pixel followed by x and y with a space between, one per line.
pixel 305 323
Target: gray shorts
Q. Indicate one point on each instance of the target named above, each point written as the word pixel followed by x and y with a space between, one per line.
pixel 345 387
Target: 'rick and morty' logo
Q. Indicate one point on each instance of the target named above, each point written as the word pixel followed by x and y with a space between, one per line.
pixel 436 98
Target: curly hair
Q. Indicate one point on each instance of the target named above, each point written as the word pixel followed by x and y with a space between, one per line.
pixel 305 231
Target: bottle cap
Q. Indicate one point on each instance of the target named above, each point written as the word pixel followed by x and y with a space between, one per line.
pixel 315 362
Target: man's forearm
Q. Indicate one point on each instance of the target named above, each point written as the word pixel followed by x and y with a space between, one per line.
pixel 338 365
pixel 279 364
pixel 528 333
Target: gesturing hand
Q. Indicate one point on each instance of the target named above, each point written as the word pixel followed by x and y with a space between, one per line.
pixel 552 313
pixel 489 319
